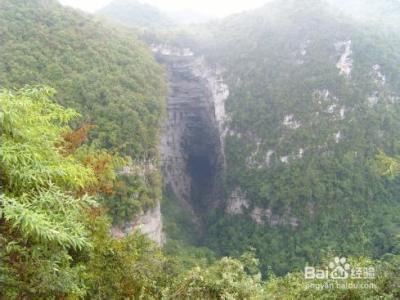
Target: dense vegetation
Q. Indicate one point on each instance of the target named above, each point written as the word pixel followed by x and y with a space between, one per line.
pixel 306 156
pixel 106 74
pixel 303 133
pixel 61 188
pixel 54 238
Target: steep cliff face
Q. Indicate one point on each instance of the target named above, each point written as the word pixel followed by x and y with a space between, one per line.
pixel 192 146
pixel 193 143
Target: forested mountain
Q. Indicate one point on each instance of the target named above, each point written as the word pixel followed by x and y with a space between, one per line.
pixel 135 13
pixel 55 232
pixel 105 73
pixel 313 98
pixel 275 133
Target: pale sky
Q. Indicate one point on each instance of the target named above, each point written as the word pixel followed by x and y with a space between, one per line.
pixel 209 7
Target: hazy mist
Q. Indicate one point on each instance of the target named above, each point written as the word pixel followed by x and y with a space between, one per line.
pixel 210 7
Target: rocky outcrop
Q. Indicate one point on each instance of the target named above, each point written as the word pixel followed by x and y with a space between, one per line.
pixel 378 76
pixel 150 221
pixel 345 63
pixel 265 216
pixel 239 204
pixel 291 122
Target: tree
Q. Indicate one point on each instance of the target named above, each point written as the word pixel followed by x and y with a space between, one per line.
pixel 40 219
pixel 225 279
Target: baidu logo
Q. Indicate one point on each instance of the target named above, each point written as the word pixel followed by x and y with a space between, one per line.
pixel 338 269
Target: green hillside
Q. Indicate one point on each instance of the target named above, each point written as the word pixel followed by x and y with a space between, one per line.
pixel 314 96
pixel 311 142
pixel 103 72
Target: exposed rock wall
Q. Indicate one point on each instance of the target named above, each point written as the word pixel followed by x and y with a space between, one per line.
pixel 193 142
pixel 345 63
pixel 192 145
pixel 239 204
pixel 148 222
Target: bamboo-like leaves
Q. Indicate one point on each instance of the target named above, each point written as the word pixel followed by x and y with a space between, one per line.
pixel 31 127
pixel 39 180
pixel 31 215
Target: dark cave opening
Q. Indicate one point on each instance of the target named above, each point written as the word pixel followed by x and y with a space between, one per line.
pixel 202 170
pixel 192 145
pixel 201 146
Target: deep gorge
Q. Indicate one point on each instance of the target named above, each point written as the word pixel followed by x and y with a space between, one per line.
pixel 192 146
